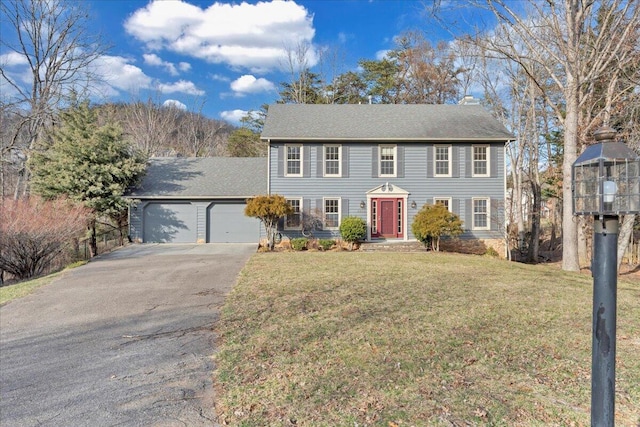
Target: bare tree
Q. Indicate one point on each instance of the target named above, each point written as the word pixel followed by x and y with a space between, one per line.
pixel 556 37
pixel 149 126
pixel 53 40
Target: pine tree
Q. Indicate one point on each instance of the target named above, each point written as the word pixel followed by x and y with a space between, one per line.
pixel 88 163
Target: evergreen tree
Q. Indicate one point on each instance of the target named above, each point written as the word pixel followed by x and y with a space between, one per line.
pixel 88 163
pixel 433 222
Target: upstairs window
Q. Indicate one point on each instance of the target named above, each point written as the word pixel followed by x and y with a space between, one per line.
pixel 387 160
pixel 480 160
pixel 442 160
pixel 332 157
pixel 293 160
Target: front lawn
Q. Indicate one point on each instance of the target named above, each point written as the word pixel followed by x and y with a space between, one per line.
pixel 415 339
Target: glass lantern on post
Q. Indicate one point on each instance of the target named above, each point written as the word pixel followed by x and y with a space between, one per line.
pixel 605 184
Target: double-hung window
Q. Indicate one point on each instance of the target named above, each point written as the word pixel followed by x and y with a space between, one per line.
pixel 387 160
pixel 293 161
pixel 481 213
pixel 444 201
pixel 480 160
pixel 293 221
pixel 331 213
pixel 442 160
pixel 332 160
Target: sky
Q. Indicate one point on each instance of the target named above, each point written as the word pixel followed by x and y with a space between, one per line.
pixel 225 58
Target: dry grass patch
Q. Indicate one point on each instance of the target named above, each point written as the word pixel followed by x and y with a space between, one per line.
pixel 398 339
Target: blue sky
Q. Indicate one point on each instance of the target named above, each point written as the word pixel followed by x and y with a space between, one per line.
pixel 224 58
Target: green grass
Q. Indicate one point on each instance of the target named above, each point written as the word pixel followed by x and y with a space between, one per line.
pixel 398 339
pixel 19 290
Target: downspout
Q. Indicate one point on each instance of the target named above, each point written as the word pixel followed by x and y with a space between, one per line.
pixel 268 166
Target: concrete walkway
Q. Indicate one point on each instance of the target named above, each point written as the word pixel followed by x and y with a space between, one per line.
pixel 125 340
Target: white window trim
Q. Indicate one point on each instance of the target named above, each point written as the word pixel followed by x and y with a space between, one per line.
pixel 324 212
pixel 395 161
pixel 300 213
pixel 286 161
pixel 473 161
pixel 435 161
pixel 324 161
pixel 473 213
pixel 448 199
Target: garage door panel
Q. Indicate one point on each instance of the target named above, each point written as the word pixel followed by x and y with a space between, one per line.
pixel 227 223
pixel 170 223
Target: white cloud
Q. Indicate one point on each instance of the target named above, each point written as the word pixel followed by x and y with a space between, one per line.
pixel 120 74
pixel 156 61
pixel 382 54
pixel 184 66
pixel 250 36
pixel 220 78
pixel 249 84
pixel 233 116
pixel 13 59
pixel 175 104
pixel 181 86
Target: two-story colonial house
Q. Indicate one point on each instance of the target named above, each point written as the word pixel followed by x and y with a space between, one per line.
pixel 384 162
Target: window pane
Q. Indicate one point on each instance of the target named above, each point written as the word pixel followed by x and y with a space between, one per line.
pixel 480 161
pixel 331 213
pixel 293 160
pixel 442 160
pixel 443 202
pixel 332 160
pixel 387 160
pixel 480 213
pixel 293 220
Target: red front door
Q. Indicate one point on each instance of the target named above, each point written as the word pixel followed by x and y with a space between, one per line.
pixel 387 217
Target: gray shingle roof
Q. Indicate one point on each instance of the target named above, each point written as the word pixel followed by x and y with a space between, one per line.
pixel 203 177
pixel 417 122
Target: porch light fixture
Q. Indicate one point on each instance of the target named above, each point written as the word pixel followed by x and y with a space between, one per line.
pixel 605 184
pixel 362 204
pixel 413 204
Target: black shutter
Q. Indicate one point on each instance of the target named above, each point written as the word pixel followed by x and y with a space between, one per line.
pixel 468 214
pixel 374 162
pixel 468 161
pixel 344 208
pixel 306 159
pixel 493 154
pixel 400 153
pixel 320 209
pixel 345 161
pixel 455 161
pixel 281 161
pixel 429 160
pixel 319 161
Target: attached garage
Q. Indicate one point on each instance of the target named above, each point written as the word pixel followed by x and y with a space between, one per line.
pixel 170 223
pixel 197 200
pixel 228 224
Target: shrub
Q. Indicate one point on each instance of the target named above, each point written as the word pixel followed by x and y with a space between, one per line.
pixel 33 232
pixel 433 222
pixel 491 252
pixel 299 243
pixel 353 229
pixel 326 244
pixel 269 210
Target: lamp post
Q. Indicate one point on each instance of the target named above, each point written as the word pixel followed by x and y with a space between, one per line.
pixel 606 183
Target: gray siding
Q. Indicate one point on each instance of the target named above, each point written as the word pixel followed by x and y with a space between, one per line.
pixel 414 174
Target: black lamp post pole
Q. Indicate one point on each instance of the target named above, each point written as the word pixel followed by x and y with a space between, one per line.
pixel 603 359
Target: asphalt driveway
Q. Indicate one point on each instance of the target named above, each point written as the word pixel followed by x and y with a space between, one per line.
pixel 125 340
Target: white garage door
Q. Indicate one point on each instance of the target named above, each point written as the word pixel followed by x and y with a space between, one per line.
pixel 227 223
pixel 170 223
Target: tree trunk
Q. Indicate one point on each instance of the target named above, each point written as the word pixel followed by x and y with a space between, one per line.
pixel 583 241
pixel 624 236
pixel 570 261
pixel 93 241
pixel 534 243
